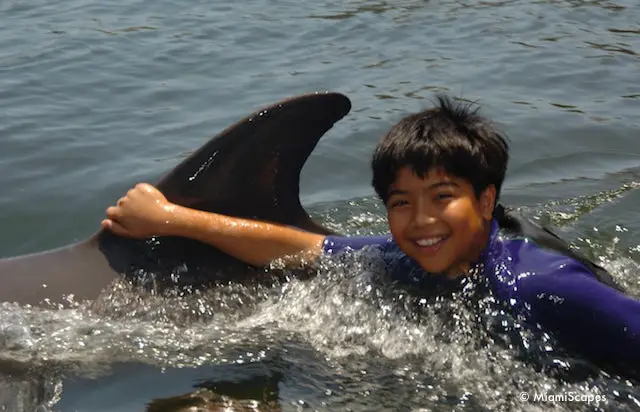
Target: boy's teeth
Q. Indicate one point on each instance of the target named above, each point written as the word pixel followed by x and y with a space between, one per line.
pixel 429 242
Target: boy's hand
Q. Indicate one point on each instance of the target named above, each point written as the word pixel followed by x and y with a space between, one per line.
pixel 143 212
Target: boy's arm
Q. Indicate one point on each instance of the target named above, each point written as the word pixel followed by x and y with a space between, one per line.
pixel 145 212
pixel 587 315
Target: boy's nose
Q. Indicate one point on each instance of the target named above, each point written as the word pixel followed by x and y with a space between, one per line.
pixel 423 218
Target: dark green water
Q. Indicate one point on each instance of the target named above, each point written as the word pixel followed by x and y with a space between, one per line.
pixel 95 97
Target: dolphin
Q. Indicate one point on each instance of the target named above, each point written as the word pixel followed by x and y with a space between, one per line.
pixel 250 170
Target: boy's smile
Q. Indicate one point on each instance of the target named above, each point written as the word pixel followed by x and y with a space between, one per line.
pixel 438 221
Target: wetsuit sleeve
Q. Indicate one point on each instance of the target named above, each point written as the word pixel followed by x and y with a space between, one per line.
pixel 586 314
pixel 337 244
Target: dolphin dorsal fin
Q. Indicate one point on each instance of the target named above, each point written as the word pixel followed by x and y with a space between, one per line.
pixel 252 169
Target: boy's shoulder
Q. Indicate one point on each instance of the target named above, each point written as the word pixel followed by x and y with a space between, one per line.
pixel 536 249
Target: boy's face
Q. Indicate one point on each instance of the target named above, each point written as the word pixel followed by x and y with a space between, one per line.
pixel 438 221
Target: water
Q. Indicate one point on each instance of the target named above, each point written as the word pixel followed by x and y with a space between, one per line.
pixel 95 97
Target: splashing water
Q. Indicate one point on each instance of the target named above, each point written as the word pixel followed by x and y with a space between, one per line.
pixel 344 339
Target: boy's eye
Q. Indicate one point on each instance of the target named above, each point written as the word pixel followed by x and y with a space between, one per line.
pixel 398 203
pixel 444 196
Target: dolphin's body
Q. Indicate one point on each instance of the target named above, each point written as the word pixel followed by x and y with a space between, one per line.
pixel 252 170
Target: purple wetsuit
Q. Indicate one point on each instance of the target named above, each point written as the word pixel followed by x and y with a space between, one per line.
pixel 538 278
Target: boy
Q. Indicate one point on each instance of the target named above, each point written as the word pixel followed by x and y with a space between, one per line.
pixel 439 173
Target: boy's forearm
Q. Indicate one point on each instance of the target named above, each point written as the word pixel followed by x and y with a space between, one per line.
pixel 254 242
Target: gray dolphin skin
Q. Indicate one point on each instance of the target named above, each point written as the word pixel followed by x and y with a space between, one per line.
pixel 251 169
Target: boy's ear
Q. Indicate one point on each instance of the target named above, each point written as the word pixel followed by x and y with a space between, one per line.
pixel 488 202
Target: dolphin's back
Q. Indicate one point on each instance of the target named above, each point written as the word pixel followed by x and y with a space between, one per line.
pixel 80 270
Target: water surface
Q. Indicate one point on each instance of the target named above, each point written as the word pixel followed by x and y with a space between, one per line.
pixel 95 97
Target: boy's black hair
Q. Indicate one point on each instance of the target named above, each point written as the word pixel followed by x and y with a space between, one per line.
pixel 451 136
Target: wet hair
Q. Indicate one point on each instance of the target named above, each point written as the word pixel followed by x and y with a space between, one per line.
pixel 452 137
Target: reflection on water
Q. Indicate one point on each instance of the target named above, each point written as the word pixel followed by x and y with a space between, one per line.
pixel 254 388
